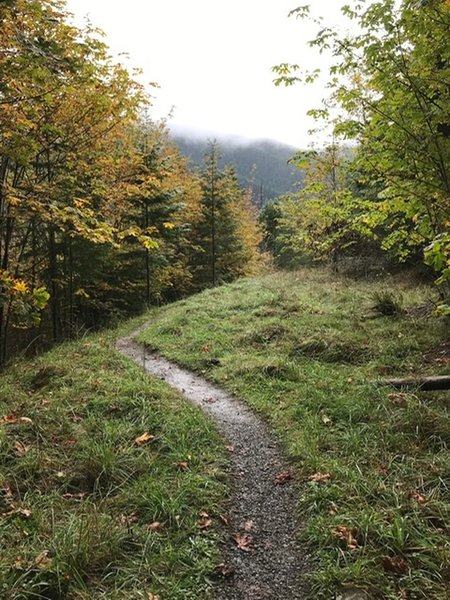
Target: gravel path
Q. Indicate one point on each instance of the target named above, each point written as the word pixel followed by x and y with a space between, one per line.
pixel 261 559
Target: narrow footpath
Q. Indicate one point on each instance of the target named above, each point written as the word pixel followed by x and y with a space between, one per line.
pixel 261 559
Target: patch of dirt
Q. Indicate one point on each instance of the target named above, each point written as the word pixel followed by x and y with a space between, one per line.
pixel 262 560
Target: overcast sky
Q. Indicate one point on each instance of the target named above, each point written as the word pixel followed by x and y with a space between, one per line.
pixel 212 60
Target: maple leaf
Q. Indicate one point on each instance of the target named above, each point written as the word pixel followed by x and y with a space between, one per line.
pixel 283 477
pixel 144 438
pixel 243 541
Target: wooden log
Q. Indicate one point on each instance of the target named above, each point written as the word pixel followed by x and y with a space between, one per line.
pixel 438 382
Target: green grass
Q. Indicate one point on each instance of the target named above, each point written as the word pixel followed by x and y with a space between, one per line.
pixel 305 350
pixel 78 493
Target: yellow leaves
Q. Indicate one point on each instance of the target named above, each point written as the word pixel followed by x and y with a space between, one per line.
pixel 168 225
pixel 20 286
pixel 144 438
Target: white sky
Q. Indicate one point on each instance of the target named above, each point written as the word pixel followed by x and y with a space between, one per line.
pixel 212 60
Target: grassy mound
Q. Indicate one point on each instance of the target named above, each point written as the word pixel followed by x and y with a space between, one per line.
pixel 305 350
pixel 105 479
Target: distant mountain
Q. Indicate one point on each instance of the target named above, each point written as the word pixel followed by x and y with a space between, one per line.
pixel 262 164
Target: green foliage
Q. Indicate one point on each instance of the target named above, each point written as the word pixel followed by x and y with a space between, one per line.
pixel 389 82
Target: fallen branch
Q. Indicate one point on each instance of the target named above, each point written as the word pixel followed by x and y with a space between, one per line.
pixel 438 382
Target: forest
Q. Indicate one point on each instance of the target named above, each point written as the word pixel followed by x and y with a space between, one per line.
pixel 301 282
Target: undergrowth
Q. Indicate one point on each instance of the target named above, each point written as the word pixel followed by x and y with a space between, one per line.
pixel 104 476
pixel 307 351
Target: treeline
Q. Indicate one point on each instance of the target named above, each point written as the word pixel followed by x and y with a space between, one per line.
pixel 99 213
pixel 262 165
pixel 389 194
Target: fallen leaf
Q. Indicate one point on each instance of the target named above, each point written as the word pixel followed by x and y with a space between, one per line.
pixel 417 497
pixel 347 535
pixel 224 519
pixel 325 419
pixel 154 526
pixel 229 448
pixel 243 541
pixel 7 490
pixel 320 477
pixel 42 561
pixel 151 596
pixel 283 477
pixel 128 520
pixel 60 474
pixel 8 419
pixel 183 466
pixel 25 420
pixel 398 398
pixel 395 564
pixel 204 523
pixel 205 349
pixel 144 438
pixel 21 448
pixel 78 497
pixel 224 570
pixel 24 512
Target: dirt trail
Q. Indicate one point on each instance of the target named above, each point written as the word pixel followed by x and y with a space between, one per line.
pixel 260 507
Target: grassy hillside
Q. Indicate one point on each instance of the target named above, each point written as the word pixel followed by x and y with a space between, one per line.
pixel 104 476
pixel 306 350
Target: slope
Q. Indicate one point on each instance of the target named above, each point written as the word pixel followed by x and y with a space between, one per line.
pixel 306 350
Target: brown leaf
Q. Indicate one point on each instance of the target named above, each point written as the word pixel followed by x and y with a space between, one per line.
pixel 78 497
pixel 144 438
pixel 8 419
pixel 243 541
pixel 21 448
pixel 155 526
pixel 205 349
pixel 224 519
pixel 224 570
pixel 417 497
pixel 25 420
pixel 151 596
pixel 183 466
pixel 320 477
pixel 347 535
pixel 283 477
pixel 42 561
pixel 24 512
pixel 395 564
pixel 204 523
